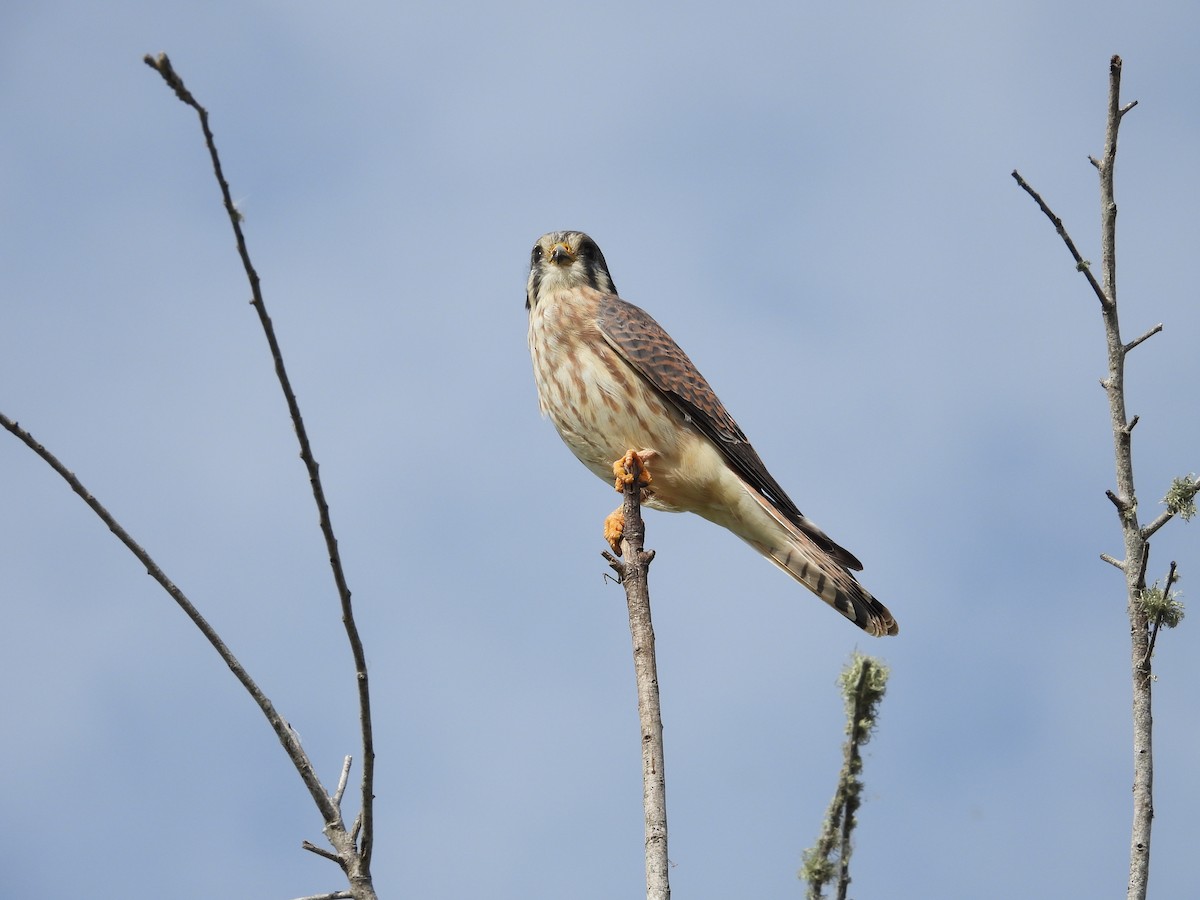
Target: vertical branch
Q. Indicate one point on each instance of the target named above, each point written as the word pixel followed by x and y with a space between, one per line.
pixel 1137 549
pixel 1136 538
pixel 633 573
pixel 354 846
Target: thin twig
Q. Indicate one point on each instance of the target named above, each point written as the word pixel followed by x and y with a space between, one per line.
pixel 335 895
pixel 1162 519
pixel 1112 561
pixel 1080 263
pixel 1149 334
pixel 285 733
pixel 162 65
pixel 320 851
pixel 1123 506
pixel 341 786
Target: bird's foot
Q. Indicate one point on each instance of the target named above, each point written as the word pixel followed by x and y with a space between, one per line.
pixel 630 466
pixel 629 469
pixel 614 529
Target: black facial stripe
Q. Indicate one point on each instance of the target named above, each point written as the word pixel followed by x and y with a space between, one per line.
pixel 535 285
pixel 594 265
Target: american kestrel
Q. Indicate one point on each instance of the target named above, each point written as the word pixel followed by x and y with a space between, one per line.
pixel 612 380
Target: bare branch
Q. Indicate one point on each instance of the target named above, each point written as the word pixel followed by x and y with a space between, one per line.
pixel 1163 518
pixel 341 787
pixel 1136 547
pixel 320 851
pixel 1124 507
pixel 162 65
pixel 1080 263
pixel 633 573
pixel 1149 334
pixel 1143 564
pixel 335 895
pixel 1136 538
pixel 285 733
pixel 1113 561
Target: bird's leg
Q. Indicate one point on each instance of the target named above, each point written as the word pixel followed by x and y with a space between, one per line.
pixel 626 469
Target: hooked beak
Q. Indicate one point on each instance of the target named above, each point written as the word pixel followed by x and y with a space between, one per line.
pixel 561 254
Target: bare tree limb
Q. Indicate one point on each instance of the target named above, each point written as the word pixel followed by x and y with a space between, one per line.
pixel 342 781
pixel 362 852
pixel 320 851
pixel 1162 519
pixel 353 857
pixel 633 572
pixel 1149 334
pixel 1136 547
pixel 1144 623
pixel 285 733
pixel 1080 263
pixel 1113 562
pixel 1124 507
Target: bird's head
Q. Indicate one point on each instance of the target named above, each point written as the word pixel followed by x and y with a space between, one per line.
pixel 566 259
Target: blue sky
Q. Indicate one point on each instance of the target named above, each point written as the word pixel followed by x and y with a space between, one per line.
pixel 817 204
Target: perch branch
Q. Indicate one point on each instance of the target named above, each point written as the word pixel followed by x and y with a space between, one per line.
pixel 632 573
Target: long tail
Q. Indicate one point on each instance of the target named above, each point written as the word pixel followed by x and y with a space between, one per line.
pixel 794 552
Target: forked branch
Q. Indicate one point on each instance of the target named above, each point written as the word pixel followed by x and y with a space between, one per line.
pixel 355 855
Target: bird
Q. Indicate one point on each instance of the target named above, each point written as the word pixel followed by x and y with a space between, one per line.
pixel 612 380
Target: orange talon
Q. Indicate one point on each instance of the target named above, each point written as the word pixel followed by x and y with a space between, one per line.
pixel 625 467
pixel 614 528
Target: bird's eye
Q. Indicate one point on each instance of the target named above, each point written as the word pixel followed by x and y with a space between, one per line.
pixel 537 254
